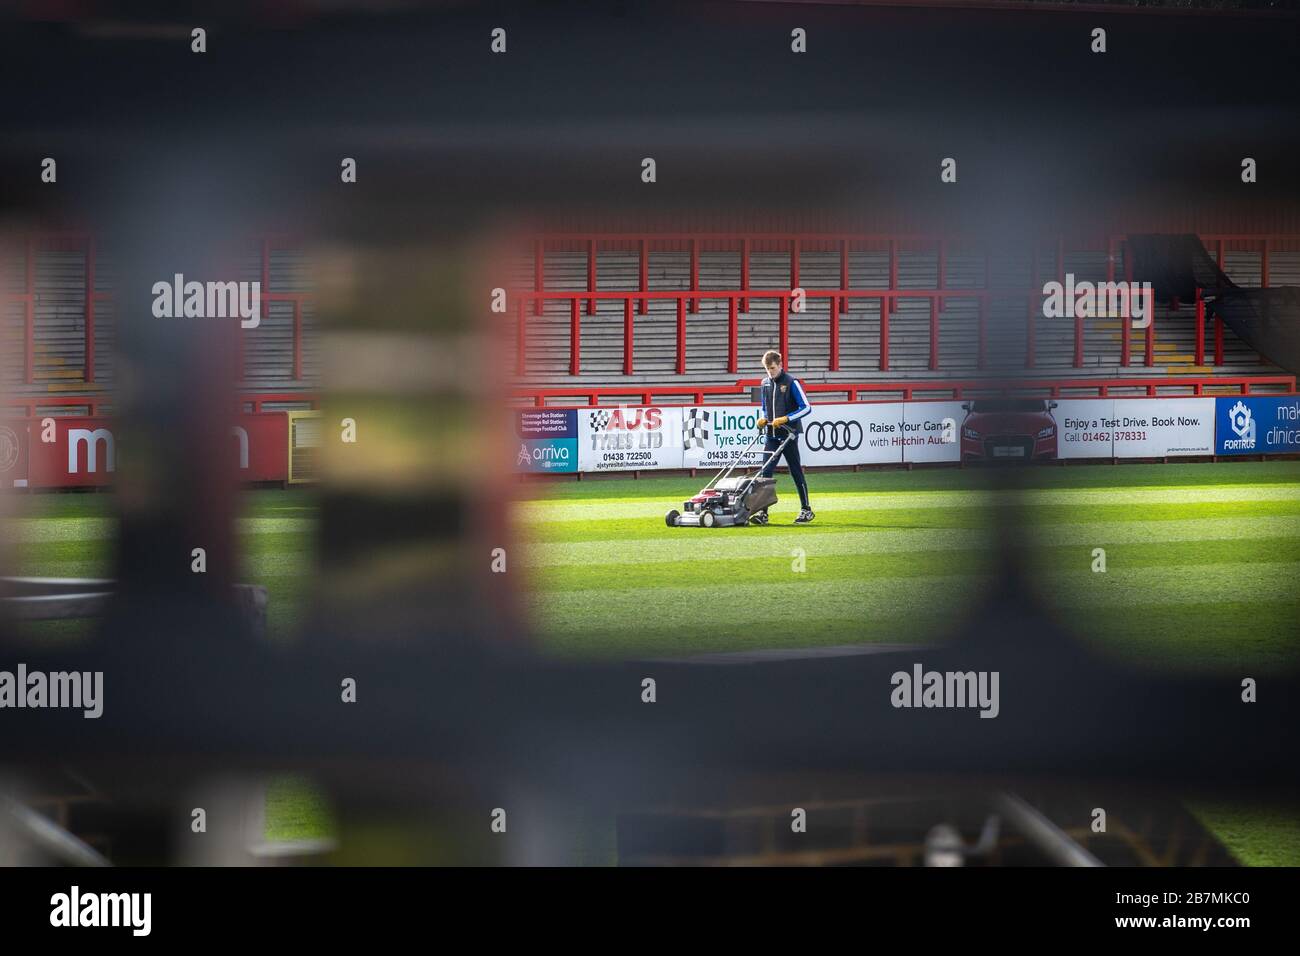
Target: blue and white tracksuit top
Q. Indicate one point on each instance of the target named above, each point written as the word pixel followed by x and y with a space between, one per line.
pixel 780 396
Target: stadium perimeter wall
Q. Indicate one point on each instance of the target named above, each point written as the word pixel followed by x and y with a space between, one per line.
pixel 637 438
pixel 80 451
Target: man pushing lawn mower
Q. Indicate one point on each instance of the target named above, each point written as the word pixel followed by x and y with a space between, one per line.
pixel 728 502
pixel 781 407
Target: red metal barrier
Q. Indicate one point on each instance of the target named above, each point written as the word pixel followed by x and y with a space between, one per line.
pixel 795 244
pixel 1124 342
pixel 693 242
pixel 258 399
pixel 783 328
pixel 893 268
pixel 31 248
pixel 733 337
pixel 644 273
pixel 29 317
pixel 835 333
pixel 952 389
pixel 783 297
pixel 844 269
pixel 695 272
pixel 81 404
pixel 744 272
pixel 297 298
pixel 575 337
pixel 83 450
pixel 1200 329
pixel 681 335
pixel 93 405
pixel 627 336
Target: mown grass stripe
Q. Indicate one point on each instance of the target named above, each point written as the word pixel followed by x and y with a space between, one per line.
pixel 1083 475
pixel 1139 589
pixel 795 600
pixel 1143 588
pixel 862 569
pixel 695 544
pixel 696 637
pixel 872 520
pixel 849 522
pixel 534 512
pixel 1137 532
pixel 105 529
pixel 36 530
pixel 749 542
pixel 1192 636
pixel 847 569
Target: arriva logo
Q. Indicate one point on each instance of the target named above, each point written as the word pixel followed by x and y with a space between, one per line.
pixel 1243 426
pixel 543 456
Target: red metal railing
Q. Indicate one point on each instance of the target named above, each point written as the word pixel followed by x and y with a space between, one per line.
pixel 90 405
pixel 93 405
pixel 297 298
pixel 795 243
pixel 888 303
pixel 743 243
pixel 31 247
pixel 1219 241
pixel 257 399
pixel 939 390
pixel 31 244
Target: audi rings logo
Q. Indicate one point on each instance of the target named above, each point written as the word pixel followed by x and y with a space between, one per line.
pixel 833 436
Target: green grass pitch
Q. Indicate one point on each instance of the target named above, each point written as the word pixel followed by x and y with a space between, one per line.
pixel 71 536
pixel 1201 561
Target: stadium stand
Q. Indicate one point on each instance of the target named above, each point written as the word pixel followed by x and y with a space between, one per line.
pixel 56 291
pixel 927 336
pixel 958 311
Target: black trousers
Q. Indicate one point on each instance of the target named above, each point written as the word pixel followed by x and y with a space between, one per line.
pixel 791 456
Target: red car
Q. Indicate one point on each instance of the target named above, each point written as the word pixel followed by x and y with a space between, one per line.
pixel 1008 429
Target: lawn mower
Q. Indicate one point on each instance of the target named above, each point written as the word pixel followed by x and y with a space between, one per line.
pixel 725 502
